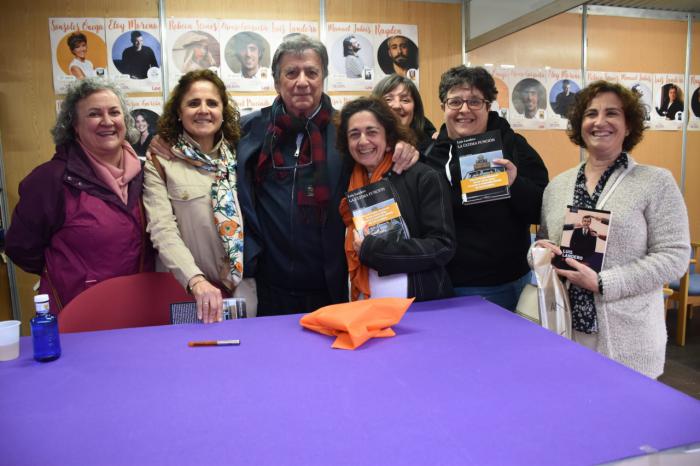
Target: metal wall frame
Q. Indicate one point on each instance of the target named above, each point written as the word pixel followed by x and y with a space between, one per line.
pixel 549 10
pixel 5 217
pixel 595 10
pixel 585 11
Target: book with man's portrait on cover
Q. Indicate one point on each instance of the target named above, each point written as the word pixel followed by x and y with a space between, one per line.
pixel 584 237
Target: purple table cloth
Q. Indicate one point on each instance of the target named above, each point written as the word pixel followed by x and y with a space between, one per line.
pixel 463 382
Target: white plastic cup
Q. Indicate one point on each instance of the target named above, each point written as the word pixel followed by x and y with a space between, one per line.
pixel 9 340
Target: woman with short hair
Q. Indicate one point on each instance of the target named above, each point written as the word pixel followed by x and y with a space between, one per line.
pixel 80 67
pixel 492 237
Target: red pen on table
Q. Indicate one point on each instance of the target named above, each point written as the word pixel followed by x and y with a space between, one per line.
pixel 215 343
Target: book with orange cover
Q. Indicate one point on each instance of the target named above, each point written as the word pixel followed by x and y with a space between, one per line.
pixel 481 179
pixel 376 212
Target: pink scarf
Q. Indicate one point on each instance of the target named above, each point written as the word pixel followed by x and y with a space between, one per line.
pixel 116 178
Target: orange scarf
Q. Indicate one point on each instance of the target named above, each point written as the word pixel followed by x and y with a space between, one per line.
pixel 359 274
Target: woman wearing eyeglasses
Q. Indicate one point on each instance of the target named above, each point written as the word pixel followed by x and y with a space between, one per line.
pixel 191 201
pixel 493 237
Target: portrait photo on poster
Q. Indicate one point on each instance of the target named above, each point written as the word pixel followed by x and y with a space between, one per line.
pixel 644 93
pixel 135 52
pixel 500 105
pixel 196 50
pixel 562 96
pixel 671 102
pixel 397 54
pixel 352 56
pixel 248 53
pixel 82 54
pixel 529 98
pixel 695 102
pixel 146 122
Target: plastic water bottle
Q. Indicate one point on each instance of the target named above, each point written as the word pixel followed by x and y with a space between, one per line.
pixel 47 346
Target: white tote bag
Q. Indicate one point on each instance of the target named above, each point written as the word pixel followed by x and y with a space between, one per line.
pixel 552 295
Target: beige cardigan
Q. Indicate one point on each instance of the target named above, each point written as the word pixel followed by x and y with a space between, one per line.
pixel 181 224
pixel 648 245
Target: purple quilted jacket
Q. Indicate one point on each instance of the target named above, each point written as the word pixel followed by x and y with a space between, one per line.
pixel 73 230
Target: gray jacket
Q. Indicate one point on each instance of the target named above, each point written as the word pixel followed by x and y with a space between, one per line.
pixel 648 245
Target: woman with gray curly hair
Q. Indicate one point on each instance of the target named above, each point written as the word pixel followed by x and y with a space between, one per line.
pixel 79 219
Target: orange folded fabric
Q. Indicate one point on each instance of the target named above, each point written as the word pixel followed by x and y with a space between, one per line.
pixel 355 323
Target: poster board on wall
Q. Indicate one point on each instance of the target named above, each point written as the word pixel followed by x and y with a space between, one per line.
pixel 78 50
pixel 134 51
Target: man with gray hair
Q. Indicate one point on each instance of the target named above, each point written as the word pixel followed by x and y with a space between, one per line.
pixel 290 183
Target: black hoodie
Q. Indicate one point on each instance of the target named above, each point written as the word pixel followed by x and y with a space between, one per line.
pixel 493 238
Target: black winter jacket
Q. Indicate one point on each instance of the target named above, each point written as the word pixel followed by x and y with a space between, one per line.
pixel 424 201
pixel 253 129
pixel 493 238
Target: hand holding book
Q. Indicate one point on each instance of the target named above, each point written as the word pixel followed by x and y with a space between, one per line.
pixel 584 238
pixel 510 167
pixel 376 212
pixel 582 275
pixel 357 241
pixel 485 175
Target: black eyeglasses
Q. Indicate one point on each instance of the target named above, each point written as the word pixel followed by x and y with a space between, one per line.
pixel 455 103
